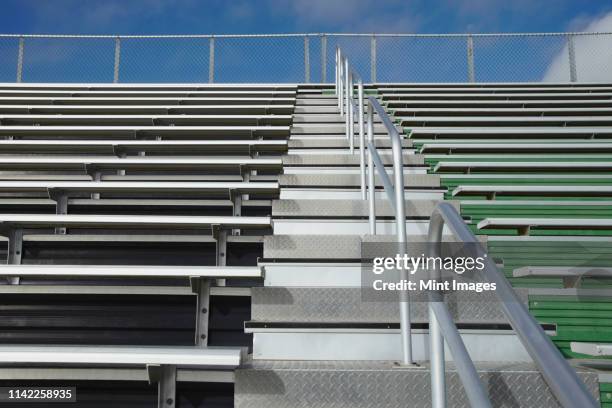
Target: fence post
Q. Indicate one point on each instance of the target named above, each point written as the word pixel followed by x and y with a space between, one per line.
pixel 306 59
pixel 470 59
pixel 20 59
pixel 117 60
pixel 211 60
pixel 572 58
pixel 373 59
pixel 323 58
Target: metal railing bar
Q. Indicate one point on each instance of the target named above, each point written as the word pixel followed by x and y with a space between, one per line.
pixel 464 364
pixel 384 177
pixel 569 390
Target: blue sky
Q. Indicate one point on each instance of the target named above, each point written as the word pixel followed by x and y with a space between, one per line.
pixel 282 60
pixel 286 16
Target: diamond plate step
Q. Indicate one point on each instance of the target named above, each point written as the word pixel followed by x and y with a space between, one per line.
pixel 317 128
pixel 352 384
pixel 340 142
pixel 411 181
pixel 346 160
pixel 350 208
pixel 327 247
pixel 277 304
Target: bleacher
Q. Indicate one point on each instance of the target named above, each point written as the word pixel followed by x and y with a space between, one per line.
pixel 195 246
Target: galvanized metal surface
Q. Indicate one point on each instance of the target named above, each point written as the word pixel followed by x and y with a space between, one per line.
pixel 351 384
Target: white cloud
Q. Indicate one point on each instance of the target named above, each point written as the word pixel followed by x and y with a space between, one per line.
pixel 593 55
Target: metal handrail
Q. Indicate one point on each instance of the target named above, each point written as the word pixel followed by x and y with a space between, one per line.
pixel 345 92
pixel 569 390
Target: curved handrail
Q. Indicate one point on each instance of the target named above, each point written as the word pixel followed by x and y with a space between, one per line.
pixel 569 390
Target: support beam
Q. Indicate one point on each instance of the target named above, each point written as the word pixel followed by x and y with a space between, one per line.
pixel 61 206
pixel 201 287
pixel 15 249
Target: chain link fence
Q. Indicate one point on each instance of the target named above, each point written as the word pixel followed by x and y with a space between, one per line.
pixel 296 58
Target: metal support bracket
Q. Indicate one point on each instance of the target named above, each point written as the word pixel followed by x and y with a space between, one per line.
pixel 165 377
pixel 221 252
pixel 15 250
pixel 61 205
pixel 201 287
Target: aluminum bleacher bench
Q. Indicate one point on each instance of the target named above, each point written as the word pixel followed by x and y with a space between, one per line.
pixel 524 225
pixel 93 164
pixel 8 221
pixel 132 271
pixel 144 120
pixel 572 276
pixel 38 100
pixel 162 93
pixel 162 365
pixel 134 131
pixel 147 109
pixel 564 166
pixel 516 147
pixel 136 146
pixel 492 191
pixel 136 188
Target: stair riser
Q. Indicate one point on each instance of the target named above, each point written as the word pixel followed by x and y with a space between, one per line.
pixel 348 227
pixel 378 345
pixel 346 194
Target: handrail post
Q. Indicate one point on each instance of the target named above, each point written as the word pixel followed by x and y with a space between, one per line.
pixel 361 140
pixel 371 184
pixel 341 80
pixel 336 73
pixel 400 225
pixel 346 97
pixel 436 340
pixel 351 114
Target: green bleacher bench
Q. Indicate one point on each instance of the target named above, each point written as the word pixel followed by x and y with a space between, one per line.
pixel 572 276
pixel 493 191
pixel 553 132
pixel 566 167
pixel 504 120
pixel 592 349
pixel 550 147
pixel 524 225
